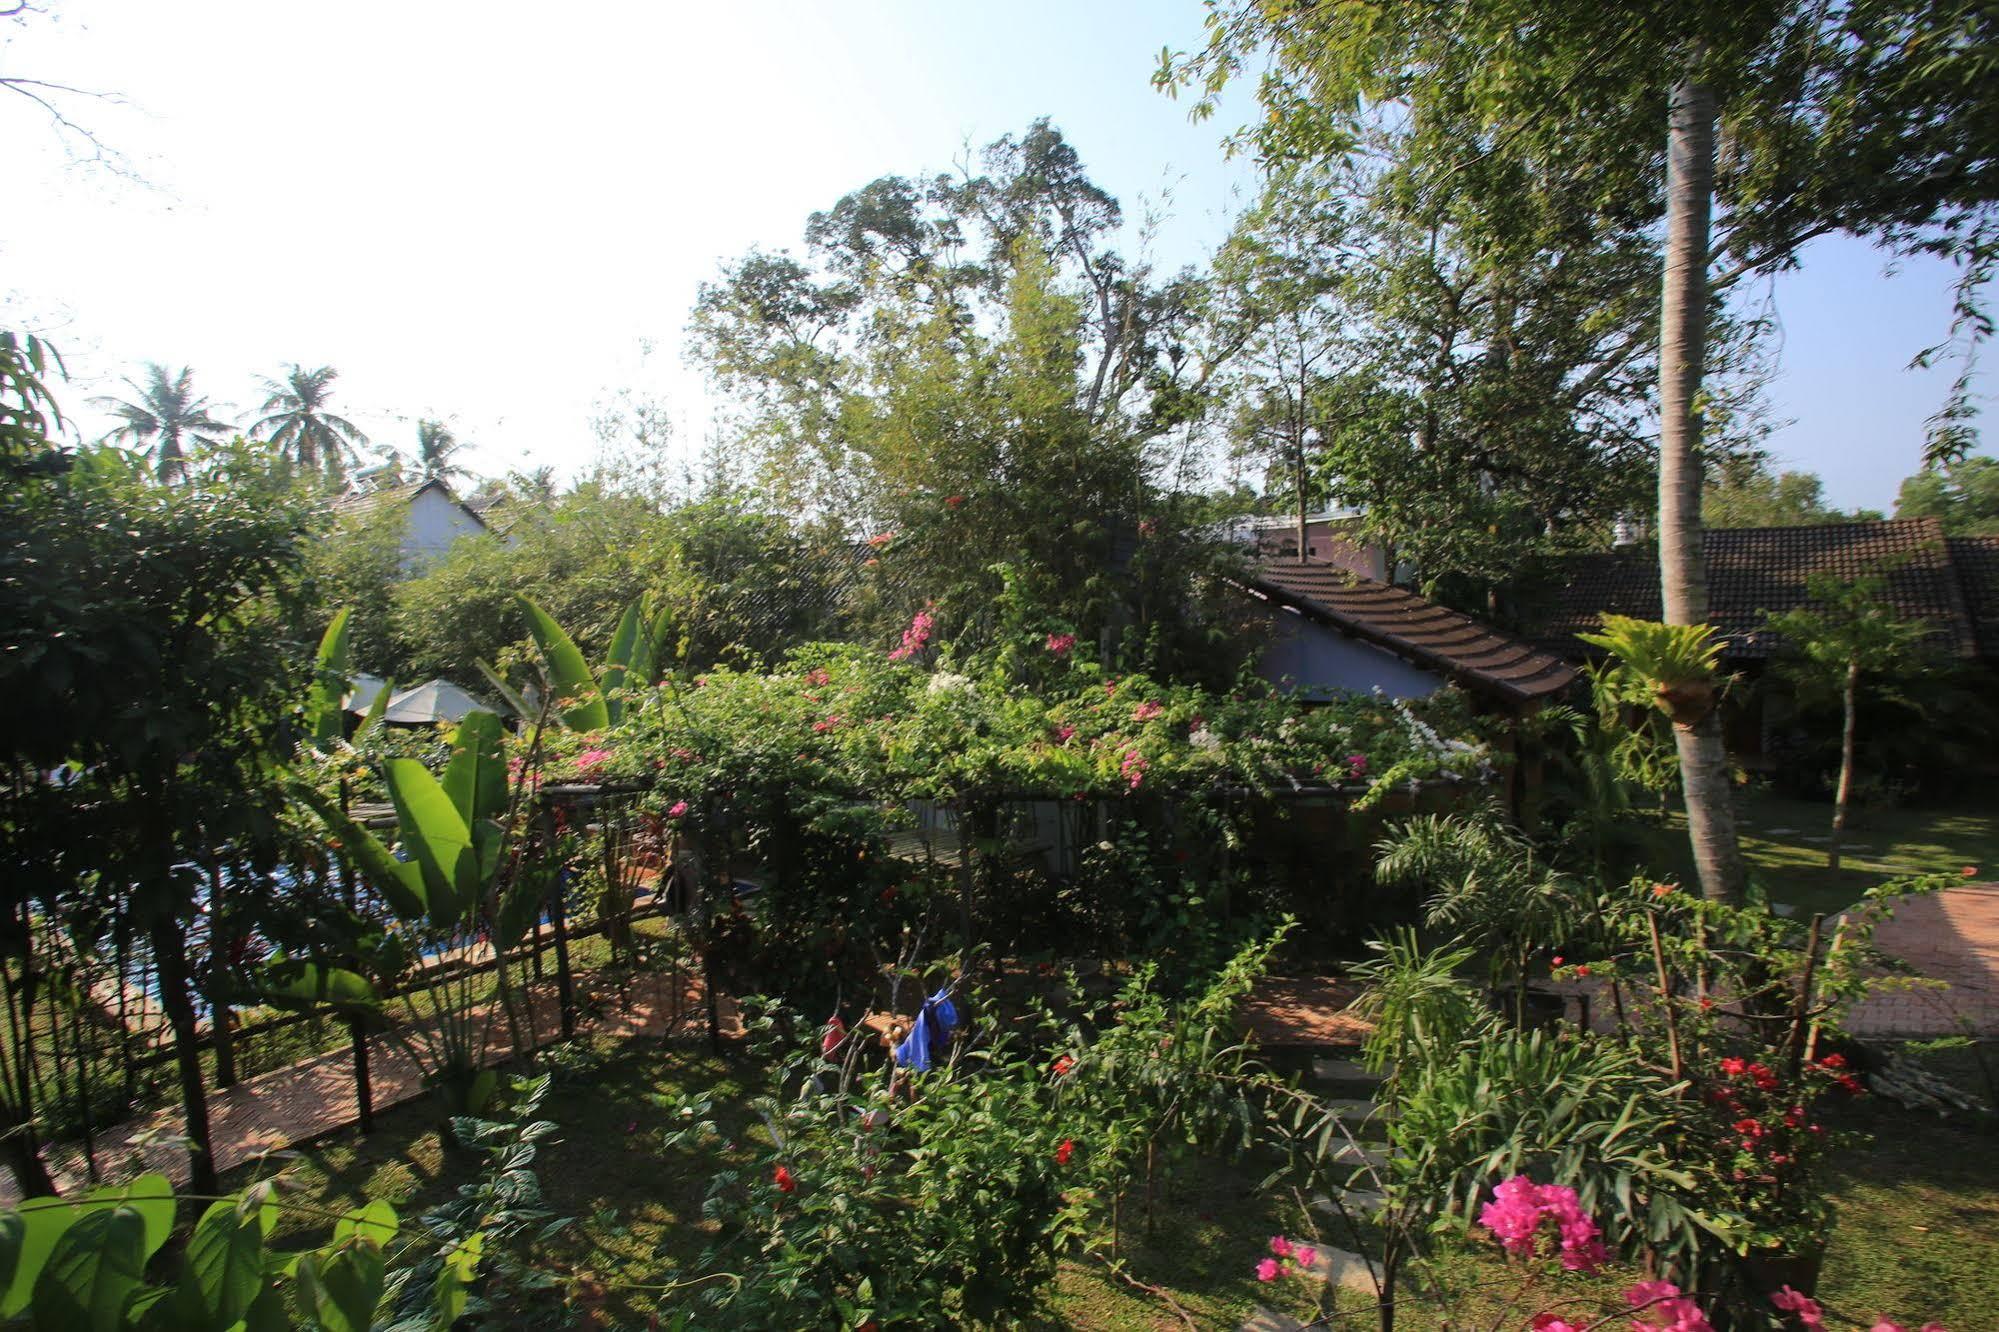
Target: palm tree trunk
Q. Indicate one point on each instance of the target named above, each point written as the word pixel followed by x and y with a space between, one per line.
pixel 1851 698
pixel 1682 564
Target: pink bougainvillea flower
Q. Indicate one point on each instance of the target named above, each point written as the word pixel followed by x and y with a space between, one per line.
pixel 1280 1246
pixel 1810 1315
pixel 1659 1306
pixel 1267 1270
pixel 1734 1067
pixel 1132 767
pixel 1547 1322
pixel 1304 1257
pixel 914 637
pixel 1060 644
pixel 1065 1151
pixel 1148 526
pixel 836 1031
pixel 591 758
pixel 1513 1214
pixel 782 1178
pixel 678 809
pixel 1146 711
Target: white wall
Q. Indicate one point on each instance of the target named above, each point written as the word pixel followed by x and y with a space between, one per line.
pixel 1315 662
pixel 434 522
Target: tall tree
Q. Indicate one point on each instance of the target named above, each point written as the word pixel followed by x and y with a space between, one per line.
pixel 1744 492
pixel 297 421
pixel 1963 496
pixel 1875 117
pixel 436 452
pixel 163 416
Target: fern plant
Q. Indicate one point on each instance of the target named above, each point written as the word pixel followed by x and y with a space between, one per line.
pixel 1679 664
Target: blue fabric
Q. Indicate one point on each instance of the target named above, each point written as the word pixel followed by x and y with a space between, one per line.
pixel 914 1052
pixel 935 1022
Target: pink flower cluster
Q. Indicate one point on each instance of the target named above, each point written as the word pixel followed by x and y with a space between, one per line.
pixel 591 758
pixel 1356 766
pixel 1518 1207
pixel 1060 644
pixel 1132 768
pixel 914 637
pixel 1146 711
pixel 1660 1306
pixel 1284 1253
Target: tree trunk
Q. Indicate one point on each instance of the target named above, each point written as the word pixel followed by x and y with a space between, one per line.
pixel 170 956
pixel 1845 793
pixel 222 1023
pixel 1682 563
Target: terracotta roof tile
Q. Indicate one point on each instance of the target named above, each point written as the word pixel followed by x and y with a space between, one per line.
pixel 1756 570
pixel 1417 629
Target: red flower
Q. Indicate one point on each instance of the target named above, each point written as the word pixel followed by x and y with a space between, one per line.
pixel 782 1178
pixel 1063 1065
pixel 1833 1061
pixel 1065 1151
pixel 953 501
pixel 888 894
pixel 1582 970
pixel 1556 960
pixel 1734 1067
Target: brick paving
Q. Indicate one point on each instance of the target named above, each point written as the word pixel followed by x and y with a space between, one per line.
pixel 315 1097
pixel 1309 1011
pixel 1950 936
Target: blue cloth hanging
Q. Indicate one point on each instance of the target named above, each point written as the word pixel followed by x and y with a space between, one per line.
pixel 934 1023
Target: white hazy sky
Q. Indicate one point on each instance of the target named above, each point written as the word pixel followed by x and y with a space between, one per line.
pixel 485 212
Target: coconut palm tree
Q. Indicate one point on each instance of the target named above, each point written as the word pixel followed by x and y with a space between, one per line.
pixel 163 416
pixel 436 446
pixel 300 425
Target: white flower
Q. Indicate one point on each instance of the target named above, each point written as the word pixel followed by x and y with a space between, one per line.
pixel 1203 738
pixel 945 681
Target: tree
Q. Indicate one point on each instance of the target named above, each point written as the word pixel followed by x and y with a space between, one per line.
pixel 1743 492
pixel 1851 629
pixel 969 373
pixel 1873 118
pixel 163 416
pixel 1963 496
pixel 436 448
pixel 299 424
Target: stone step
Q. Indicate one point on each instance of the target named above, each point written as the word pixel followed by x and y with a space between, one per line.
pixel 1262 1319
pixel 1358 1154
pixel 1348 1271
pixel 1348 1074
pixel 1361 1201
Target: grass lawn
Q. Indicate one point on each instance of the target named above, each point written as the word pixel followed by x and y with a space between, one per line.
pixel 1785 842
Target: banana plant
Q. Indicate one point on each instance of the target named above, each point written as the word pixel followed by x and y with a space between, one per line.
pixel 584 701
pixel 452 878
pixel 325 714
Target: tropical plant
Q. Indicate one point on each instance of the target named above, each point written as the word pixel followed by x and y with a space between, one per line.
pixel 1491 887
pixel 1848 630
pixel 436 452
pixel 297 421
pixel 163 416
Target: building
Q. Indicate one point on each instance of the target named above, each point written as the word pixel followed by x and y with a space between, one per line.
pixel 433 518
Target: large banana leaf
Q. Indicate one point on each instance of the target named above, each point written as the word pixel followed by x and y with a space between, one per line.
pixel 329 683
pixel 400 882
pixel 576 690
pixel 507 693
pixel 437 838
pixel 618 660
pixel 376 709
pixel 649 655
pixel 476 776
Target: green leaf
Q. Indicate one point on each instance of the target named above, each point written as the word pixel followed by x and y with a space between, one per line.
pixel 476 776
pixel 42 1221
pixel 376 709
pixel 400 882
pixel 374 1223
pixel 576 691
pixel 267 1312
pixel 94 1269
pixel 618 660
pixel 299 984
pixel 152 1197
pixel 507 693
pixel 454 1281
pixel 341 1288
pixel 437 838
pixel 13 1233
pixel 329 683
pixel 223 1272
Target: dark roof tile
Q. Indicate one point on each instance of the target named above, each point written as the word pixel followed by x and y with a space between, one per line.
pixel 1415 628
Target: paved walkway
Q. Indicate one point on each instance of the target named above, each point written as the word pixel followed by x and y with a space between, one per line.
pixel 1309 1011
pixel 314 1097
pixel 1951 936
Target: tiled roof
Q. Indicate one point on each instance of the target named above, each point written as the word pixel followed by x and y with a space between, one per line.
pixel 1416 629
pixel 1752 571
pixel 1977 561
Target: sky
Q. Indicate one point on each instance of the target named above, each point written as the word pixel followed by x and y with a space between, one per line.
pixel 499 214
